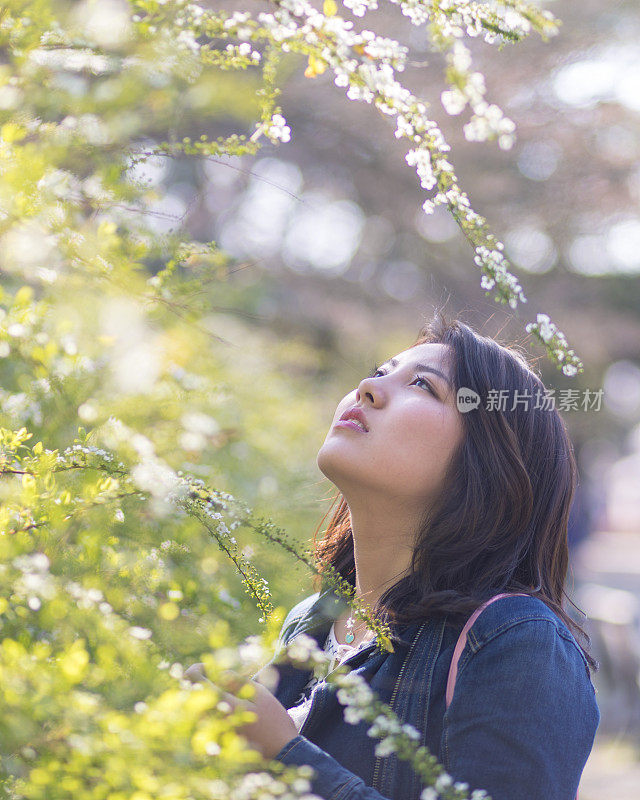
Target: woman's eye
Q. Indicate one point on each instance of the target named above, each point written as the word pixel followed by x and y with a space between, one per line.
pixel 426 383
pixel 375 372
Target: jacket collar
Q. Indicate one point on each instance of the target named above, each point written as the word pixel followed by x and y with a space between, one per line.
pixel 317 621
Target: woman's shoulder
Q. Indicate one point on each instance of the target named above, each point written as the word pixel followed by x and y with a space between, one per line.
pixel 298 612
pixel 524 621
pixel 302 608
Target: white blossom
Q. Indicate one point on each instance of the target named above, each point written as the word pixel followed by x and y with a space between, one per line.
pixel 278 129
pixel 443 781
pixel 453 101
pixel 385 747
pixel 140 633
pixel 353 715
pixel 421 159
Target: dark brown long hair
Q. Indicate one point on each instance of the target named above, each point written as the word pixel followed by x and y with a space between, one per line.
pixel 501 524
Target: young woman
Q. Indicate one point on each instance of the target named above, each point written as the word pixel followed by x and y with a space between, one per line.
pixel 442 505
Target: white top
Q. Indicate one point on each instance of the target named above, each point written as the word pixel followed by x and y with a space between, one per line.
pixel 339 653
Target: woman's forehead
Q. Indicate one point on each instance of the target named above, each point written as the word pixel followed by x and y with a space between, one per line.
pixel 432 353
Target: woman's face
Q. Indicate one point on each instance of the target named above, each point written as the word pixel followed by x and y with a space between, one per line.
pixel 413 427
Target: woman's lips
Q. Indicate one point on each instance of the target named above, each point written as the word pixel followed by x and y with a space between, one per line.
pixel 355 414
pixel 351 423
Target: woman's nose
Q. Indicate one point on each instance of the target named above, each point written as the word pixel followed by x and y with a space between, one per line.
pixel 369 391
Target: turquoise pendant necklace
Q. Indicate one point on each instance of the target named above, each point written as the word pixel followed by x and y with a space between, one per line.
pixel 350 636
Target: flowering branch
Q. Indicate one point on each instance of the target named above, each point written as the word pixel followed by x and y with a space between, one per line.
pixel 151 478
pixel 361 703
pixel 366 65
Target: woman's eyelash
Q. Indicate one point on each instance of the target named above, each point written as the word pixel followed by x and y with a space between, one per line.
pixel 424 380
pixel 377 370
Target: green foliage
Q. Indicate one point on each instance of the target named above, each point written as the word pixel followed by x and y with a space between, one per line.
pixel 122 363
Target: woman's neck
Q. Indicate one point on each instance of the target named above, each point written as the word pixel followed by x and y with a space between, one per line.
pixel 382 548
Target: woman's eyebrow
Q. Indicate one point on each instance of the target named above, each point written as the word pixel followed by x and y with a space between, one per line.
pixel 423 368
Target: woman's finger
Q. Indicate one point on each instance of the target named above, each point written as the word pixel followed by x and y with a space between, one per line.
pixel 195 673
pixel 234 682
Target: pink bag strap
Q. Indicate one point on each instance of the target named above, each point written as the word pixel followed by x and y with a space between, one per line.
pixel 462 640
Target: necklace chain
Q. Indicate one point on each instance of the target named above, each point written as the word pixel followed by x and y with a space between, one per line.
pixel 350 636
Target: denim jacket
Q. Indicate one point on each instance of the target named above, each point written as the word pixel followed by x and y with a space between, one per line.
pixel 521 724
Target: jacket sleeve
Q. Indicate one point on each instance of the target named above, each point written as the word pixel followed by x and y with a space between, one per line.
pixel 523 716
pixel 331 780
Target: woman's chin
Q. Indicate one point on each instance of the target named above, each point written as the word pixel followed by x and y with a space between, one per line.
pixel 339 466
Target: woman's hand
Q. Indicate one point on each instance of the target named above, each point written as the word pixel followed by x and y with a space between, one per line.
pixel 271 730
